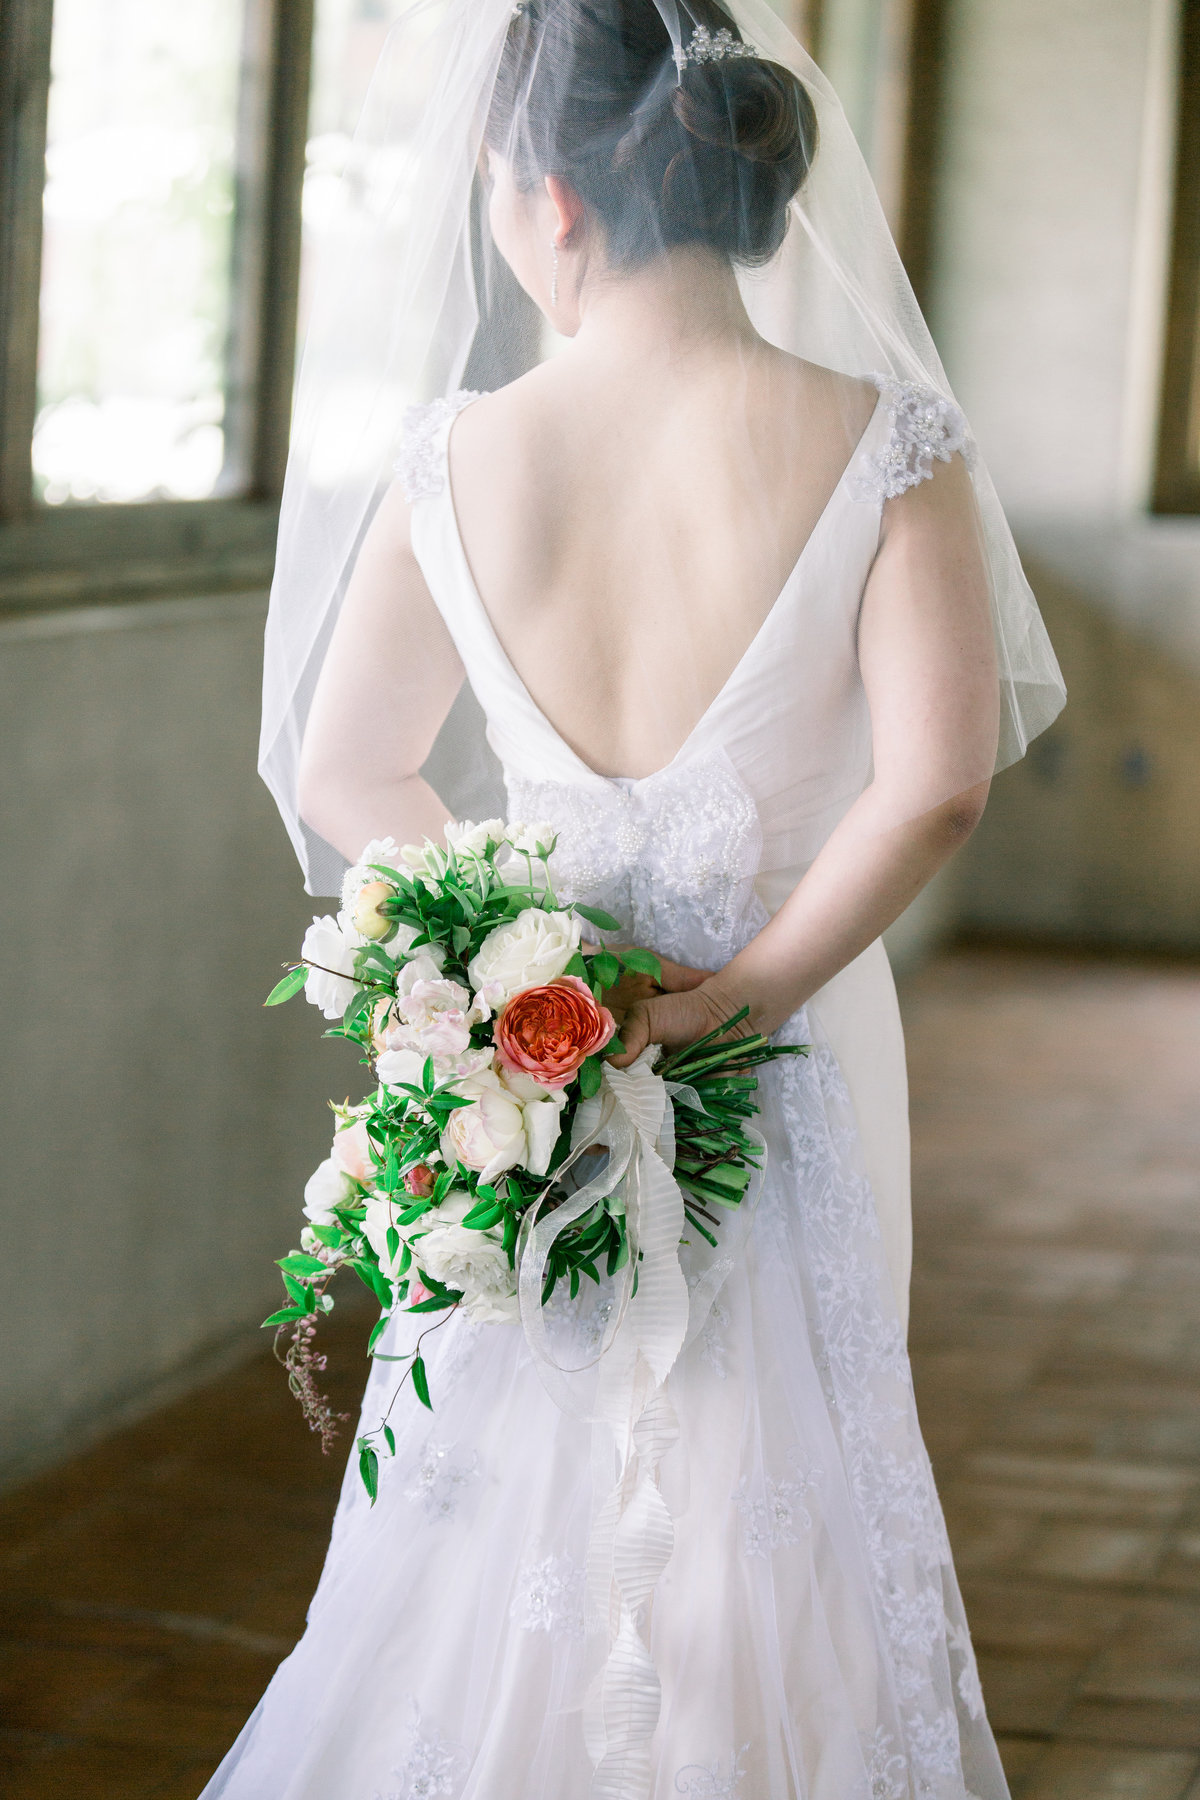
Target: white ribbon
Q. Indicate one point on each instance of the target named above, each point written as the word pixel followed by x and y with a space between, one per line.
pixel 633 1534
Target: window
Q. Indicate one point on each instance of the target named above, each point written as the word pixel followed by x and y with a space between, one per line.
pixel 150 171
pixel 1177 488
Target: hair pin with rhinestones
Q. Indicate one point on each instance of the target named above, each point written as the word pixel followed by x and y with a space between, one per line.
pixel 703 46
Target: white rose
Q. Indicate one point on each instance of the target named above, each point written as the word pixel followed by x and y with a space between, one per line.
pixel 542 1108
pixel 472 1262
pixel 488 1135
pixel 426 862
pixel 330 983
pixel 328 1186
pixel 381 1213
pixel 466 838
pixel 526 838
pixel 527 951
pixel 400 946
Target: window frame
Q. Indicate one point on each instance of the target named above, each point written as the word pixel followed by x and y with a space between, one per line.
pixel 1177 475
pixel 80 555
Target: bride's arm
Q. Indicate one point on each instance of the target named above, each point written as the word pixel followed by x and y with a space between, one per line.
pixel 927 657
pixel 387 683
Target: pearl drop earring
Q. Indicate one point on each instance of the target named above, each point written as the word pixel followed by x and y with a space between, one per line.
pixel 554 273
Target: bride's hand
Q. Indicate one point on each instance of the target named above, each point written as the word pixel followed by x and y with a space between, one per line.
pixel 633 987
pixel 677 1016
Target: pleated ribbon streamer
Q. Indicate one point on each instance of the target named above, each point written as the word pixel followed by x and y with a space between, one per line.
pixel 633 1535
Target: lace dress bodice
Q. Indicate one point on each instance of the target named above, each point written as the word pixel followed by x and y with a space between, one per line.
pixel 687 856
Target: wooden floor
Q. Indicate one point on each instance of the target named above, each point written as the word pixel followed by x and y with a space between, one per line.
pixel 150 1587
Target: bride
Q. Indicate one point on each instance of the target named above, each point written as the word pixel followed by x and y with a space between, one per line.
pixel 747 630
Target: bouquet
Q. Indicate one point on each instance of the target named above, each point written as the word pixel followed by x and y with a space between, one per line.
pixel 479 1011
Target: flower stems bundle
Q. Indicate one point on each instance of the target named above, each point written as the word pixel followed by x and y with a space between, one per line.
pixel 464 984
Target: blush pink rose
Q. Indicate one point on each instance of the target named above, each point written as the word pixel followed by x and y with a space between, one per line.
pixel 352 1151
pixel 548 1032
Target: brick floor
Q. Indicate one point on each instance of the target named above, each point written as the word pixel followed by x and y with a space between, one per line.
pixel 150 1587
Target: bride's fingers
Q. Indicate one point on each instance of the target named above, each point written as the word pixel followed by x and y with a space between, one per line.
pixel 678 978
pixel 635 1034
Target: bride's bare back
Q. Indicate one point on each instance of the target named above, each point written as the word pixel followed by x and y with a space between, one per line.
pixel 629 523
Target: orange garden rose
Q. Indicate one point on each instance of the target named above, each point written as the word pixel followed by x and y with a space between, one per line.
pixel 547 1032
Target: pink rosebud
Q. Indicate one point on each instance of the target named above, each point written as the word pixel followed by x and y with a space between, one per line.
pixel 418 1181
pixel 417 1291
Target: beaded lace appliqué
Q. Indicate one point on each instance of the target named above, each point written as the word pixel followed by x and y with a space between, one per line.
pixel 776 1514
pixel 673 858
pixel 431 1768
pixel 421 465
pixel 550 1597
pixel 926 427
pixel 708 1781
pixel 440 1479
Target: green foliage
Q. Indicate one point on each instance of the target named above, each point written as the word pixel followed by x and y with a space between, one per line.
pixel 643 962
pixel 291 984
pixel 596 916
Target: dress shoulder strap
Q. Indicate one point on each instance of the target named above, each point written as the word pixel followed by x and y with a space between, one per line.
pixel 924 427
pixel 421 464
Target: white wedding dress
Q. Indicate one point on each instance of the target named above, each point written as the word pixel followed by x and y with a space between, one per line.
pixel 807 1630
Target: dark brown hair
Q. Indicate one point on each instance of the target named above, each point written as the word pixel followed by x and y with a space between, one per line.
pixel 588 90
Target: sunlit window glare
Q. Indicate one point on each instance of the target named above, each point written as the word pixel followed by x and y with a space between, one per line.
pixel 136 274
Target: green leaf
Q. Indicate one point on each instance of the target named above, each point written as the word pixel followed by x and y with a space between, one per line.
pixel 368 1468
pixel 428 1078
pixel 481 1217
pixel 284 1316
pixel 328 1234
pixel 590 1077
pixel 371 1276
pixel 389 1438
pixel 414 1212
pixel 644 962
pixel 437 1303
pixel 605 968
pixel 297 1291
pixel 596 916
pixel 393 1243
pixel 300 1264
pixel 291 984
pixel 460 937
pixel 421 1382
pixel 577 966
pixel 377 1331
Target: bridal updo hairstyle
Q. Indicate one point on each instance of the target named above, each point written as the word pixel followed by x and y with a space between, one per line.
pixel 588 90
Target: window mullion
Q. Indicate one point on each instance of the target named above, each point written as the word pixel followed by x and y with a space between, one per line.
pixel 25 27
pixel 272 130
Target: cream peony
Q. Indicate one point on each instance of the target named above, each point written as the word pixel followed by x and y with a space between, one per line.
pixel 330 982
pixel 488 1135
pixel 472 1262
pixel 542 1108
pixel 528 951
pixel 432 1016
